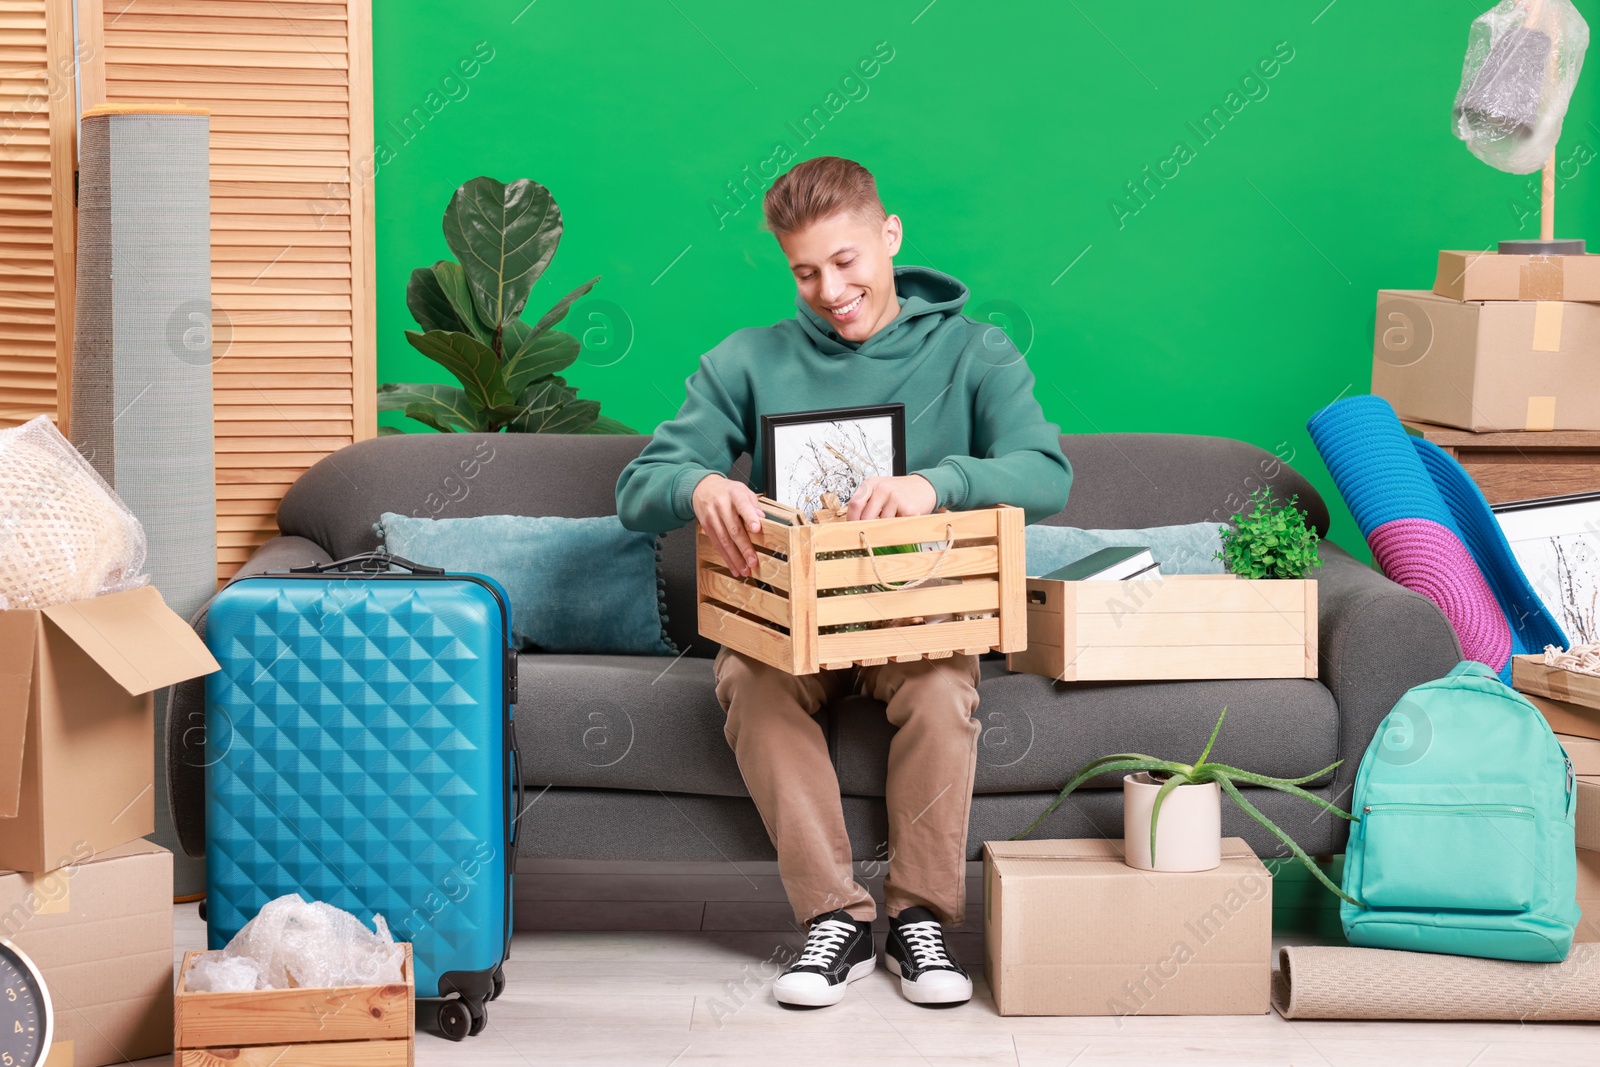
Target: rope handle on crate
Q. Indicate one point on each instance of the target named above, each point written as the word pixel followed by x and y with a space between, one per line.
pixel 949 543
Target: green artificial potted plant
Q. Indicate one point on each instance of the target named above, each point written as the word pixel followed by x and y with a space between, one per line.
pixel 504 236
pixel 1192 792
pixel 1269 540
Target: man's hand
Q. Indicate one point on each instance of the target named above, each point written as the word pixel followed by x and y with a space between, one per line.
pixel 885 498
pixel 726 509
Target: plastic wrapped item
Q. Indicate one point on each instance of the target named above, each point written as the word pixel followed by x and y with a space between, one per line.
pixel 1523 58
pixel 291 943
pixel 64 535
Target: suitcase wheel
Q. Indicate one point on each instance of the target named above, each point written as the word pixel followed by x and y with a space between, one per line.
pixel 498 983
pixel 480 1017
pixel 456 1021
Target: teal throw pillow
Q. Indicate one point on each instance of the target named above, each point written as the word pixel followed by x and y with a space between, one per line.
pixel 1189 548
pixel 575 585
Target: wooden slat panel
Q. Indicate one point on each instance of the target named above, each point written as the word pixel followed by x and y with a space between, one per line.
pixel 289 87
pixel 963 597
pixel 907 640
pixel 38 229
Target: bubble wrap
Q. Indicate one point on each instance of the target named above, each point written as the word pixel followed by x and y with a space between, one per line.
pixel 64 535
pixel 1523 59
pixel 294 944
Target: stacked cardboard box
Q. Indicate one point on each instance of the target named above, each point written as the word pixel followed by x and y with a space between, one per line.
pixel 1157 944
pixel 1502 343
pixel 1570 701
pixel 80 892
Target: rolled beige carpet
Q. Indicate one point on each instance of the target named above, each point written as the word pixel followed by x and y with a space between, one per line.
pixel 1328 982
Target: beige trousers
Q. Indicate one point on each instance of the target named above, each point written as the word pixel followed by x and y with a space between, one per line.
pixel 783 755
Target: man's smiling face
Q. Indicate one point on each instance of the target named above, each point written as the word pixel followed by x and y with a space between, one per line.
pixel 844 268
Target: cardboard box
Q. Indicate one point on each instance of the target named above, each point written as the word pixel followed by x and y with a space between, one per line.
pixel 1490 276
pixel 1574 720
pixel 1482 366
pixel 1587 816
pixel 77 727
pixel 1175 626
pixel 100 931
pixel 1584 752
pixel 1588 895
pixel 1070 929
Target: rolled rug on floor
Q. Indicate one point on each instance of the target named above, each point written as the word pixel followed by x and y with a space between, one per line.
pixel 1335 982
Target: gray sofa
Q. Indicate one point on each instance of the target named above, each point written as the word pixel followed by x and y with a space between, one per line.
pixel 625 756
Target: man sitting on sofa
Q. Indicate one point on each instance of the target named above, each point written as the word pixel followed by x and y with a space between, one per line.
pixel 867 332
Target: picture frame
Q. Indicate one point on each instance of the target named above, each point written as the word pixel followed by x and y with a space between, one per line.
pixel 830 450
pixel 1556 542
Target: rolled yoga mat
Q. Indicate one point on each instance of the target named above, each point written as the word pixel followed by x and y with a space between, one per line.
pixel 142 355
pixel 1334 982
pixel 1431 530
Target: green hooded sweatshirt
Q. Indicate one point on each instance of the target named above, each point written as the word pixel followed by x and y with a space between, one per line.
pixel 973 427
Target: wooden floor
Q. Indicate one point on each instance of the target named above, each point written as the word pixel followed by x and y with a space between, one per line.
pixel 658 965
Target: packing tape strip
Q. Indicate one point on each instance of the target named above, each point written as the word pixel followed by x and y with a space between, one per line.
pixel 52 893
pixel 1540 278
pixel 1547 326
pixel 1541 413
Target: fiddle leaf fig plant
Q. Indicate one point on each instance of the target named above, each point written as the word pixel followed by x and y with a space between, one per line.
pixel 503 237
pixel 1269 540
pixel 1200 772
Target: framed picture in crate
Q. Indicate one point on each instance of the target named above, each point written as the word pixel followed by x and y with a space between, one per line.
pixel 809 453
pixel 1557 542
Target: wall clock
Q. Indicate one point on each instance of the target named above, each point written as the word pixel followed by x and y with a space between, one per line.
pixel 25 1017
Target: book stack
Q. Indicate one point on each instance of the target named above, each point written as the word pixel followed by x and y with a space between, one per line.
pixel 1118 562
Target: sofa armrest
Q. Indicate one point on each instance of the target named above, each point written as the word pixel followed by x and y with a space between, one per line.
pixel 186 703
pixel 1375 640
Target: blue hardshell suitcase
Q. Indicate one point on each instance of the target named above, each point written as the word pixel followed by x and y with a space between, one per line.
pixel 360 751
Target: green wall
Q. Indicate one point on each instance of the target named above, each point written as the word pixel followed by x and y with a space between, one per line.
pixel 1234 297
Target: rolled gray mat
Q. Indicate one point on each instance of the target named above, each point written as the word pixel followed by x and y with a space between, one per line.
pixel 1329 982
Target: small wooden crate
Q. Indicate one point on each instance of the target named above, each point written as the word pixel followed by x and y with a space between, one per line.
pixel 1176 627
pixel 351 1026
pixel 1531 674
pixel 775 614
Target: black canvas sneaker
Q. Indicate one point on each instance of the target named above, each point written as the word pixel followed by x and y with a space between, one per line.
pixel 917 953
pixel 838 951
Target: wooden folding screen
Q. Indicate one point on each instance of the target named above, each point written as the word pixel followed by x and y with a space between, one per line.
pixel 289 87
pixel 38 123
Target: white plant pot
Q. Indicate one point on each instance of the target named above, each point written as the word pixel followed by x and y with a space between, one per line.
pixel 1189 833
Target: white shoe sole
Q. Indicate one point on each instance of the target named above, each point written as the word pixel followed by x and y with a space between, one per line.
pixel 827 995
pixel 951 989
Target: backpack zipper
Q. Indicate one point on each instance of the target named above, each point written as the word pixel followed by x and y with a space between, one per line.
pixel 1455 809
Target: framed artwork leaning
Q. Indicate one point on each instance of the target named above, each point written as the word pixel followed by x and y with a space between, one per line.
pixel 1557 542
pixel 833 450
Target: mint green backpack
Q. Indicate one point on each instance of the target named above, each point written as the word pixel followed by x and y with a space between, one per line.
pixel 1465 843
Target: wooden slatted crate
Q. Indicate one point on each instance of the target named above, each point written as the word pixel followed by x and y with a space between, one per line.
pixel 965 595
pixel 1179 626
pixel 350 1026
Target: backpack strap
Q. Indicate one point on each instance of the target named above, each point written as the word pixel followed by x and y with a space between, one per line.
pixel 1474 668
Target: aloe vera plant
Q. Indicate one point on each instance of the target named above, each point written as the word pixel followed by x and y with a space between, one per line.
pixel 1201 772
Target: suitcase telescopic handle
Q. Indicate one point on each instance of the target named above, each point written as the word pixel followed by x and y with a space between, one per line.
pixel 371 562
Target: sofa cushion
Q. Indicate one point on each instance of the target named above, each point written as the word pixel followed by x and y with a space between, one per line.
pixel 1037 732
pixel 623 722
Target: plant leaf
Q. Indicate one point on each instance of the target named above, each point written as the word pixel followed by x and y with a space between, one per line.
pixel 606 424
pixel 470 360
pixel 427 303
pixel 445 406
pixel 540 404
pixel 575 416
pixel 504 237
pixel 1104 765
pixel 1220 770
pixel 453 283
pixel 390 431
pixel 542 355
pixel 1215 730
pixel 1155 809
pixel 559 312
pixel 1299 853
